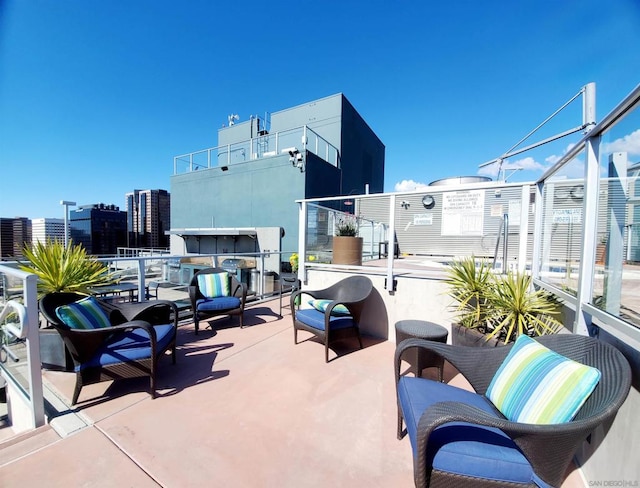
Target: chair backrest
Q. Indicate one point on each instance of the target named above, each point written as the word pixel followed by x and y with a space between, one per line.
pixel 615 382
pixel 152 289
pixel 51 301
pixel 352 291
pixel 194 289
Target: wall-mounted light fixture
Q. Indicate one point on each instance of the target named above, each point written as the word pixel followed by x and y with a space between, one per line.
pixel 404 204
pixel 293 155
pixel 224 168
pixel 296 158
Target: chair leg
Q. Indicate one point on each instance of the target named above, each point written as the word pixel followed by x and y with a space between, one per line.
pixel 401 434
pixel 326 350
pixel 359 338
pixel 295 334
pixel 196 322
pixel 76 390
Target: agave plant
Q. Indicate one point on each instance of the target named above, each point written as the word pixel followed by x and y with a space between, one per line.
pixel 61 268
pixel 469 281
pixel 514 308
pixel 501 307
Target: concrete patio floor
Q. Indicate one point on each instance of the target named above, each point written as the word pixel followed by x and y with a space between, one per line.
pixel 240 408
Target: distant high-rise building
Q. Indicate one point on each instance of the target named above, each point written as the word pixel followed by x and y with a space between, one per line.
pixel 148 217
pixel 15 233
pixel 47 229
pixel 100 228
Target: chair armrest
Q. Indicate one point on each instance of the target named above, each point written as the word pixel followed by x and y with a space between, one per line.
pixel 240 291
pixel 540 444
pixel 193 295
pixel 477 364
pixel 143 311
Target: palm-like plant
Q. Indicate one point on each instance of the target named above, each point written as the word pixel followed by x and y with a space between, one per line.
pixel 61 268
pixel 514 308
pixel 468 282
pixel 501 307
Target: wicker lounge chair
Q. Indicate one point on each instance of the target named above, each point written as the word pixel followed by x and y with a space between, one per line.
pixel 443 452
pixel 138 335
pixel 328 326
pixel 207 306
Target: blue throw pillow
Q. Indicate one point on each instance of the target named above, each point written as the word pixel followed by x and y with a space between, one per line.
pixel 321 306
pixel 83 314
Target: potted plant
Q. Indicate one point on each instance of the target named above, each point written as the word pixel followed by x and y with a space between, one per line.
pixel 492 309
pixel 515 308
pixel 347 246
pixel 62 268
pixel 293 261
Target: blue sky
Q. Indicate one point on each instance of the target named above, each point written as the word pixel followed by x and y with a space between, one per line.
pixel 97 97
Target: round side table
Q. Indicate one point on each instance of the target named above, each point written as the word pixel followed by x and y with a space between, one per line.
pixel 419 358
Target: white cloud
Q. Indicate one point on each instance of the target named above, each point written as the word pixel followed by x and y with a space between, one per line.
pixel 525 164
pixel 490 170
pixel 554 158
pixel 408 185
pixel 629 144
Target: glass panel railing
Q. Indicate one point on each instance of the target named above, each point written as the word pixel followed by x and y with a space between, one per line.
pixel 618 240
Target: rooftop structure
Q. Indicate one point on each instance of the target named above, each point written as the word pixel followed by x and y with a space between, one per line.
pixel 262 166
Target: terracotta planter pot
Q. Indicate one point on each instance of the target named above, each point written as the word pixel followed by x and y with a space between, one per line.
pixel 347 250
pixel 463 336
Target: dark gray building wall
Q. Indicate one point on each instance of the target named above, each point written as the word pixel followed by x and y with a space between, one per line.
pixel 362 154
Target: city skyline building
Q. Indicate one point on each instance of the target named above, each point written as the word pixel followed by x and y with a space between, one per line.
pixel 46 229
pixel 100 228
pixel 148 218
pixel 15 233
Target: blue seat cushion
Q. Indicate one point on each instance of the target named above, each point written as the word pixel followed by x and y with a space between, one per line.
pixel 314 318
pixel 130 346
pixel 217 304
pixel 459 447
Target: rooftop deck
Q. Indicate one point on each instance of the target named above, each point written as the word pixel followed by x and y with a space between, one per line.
pixel 241 407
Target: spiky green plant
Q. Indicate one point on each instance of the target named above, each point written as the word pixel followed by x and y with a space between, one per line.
pixel 61 268
pixel 469 281
pixel 515 308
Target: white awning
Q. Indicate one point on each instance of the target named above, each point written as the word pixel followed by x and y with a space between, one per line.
pixel 215 231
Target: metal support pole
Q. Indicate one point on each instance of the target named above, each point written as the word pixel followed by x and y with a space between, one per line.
pixel 66 204
pixel 391 239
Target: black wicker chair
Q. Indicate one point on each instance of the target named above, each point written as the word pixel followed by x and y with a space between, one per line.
pixel 351 292
pixel 204 307
pixel 107 354
pixel 546 450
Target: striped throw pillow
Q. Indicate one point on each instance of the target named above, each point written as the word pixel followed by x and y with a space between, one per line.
pixel 83 314
pixel 321 306
pixel 214 285
pixel 535 385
